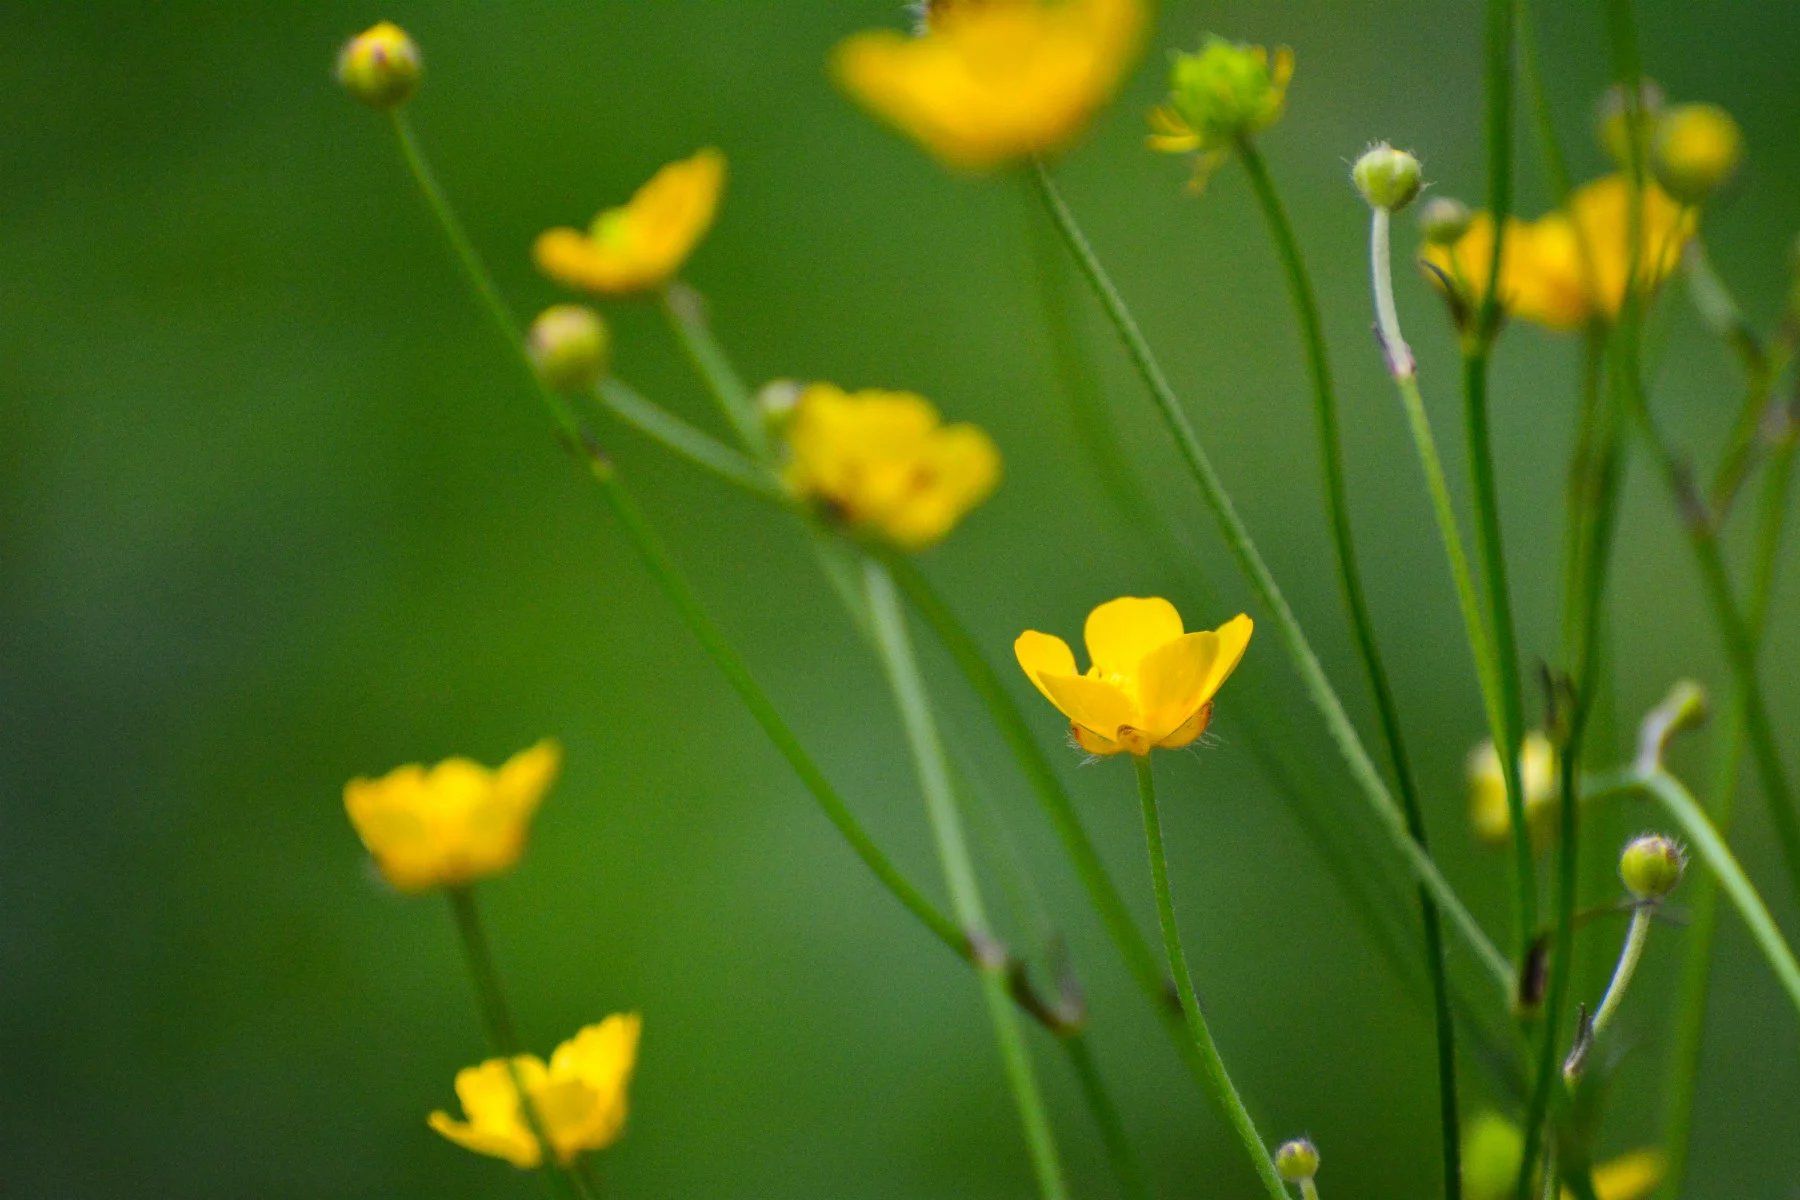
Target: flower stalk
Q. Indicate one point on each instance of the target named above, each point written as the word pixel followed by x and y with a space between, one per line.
pixel 1223 1092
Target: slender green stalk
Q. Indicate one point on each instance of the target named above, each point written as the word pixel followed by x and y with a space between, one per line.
pixel 1637 934
pixel 1237 538
pixel 1119 1154
pixel 908 688
pixel 1709 846
pixel 686 313
pixel 1337 504
pixel 1309 1190
pixel 497 1018
pixel 674 583
pixel 660 425
pixel 1690 1012
pixel 1223 1092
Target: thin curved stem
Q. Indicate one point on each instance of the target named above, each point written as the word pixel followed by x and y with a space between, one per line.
pixel 1223 1092
pixel 702 449
pixel 929 761
pixel 1362 622
pixel 1237 538
pixel 497 1018
pixel 1637 935
pixel 686 314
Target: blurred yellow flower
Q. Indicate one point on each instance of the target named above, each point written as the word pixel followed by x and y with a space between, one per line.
pixel 990 83
pixel 1493 1145
pixel 885 464
pixel 1695 150
pixel 1151 685
pixel 1219 95
pixel 1489 815
pixel 380 66
pixel 645 243
pixel 453 823
pixel 1565 270
pixel 579 1097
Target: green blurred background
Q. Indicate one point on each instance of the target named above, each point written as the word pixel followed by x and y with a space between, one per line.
pixel 275 511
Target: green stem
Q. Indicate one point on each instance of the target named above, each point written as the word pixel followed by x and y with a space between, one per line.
pixel 929 761
pixel 1337 502
pixel 1123 1159
pixel 1237 538
pixel 686 601
pixel 1224 1094
pixel 686 313
pixel 1637 934
pixel 675 434
pixel 497 1018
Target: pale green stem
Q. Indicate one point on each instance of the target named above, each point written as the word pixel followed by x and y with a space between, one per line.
pixel 1309 1190
pixel 497 1017
pixel 1223 1092
pixel 1237 538
pixel 1637 934
pixel 685 310
pixel 702 449
pixel 933 769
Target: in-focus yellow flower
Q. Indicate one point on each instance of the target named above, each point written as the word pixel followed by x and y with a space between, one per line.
pixel 1493 1146
pixel 1489 815
pixel 991 82
pixel 885 464
pixel 1695 150
pixel 453 823
pixel 1151 684
pixel 1565 270
pixel 579 1097
pixel 645 243
pixel 1218 96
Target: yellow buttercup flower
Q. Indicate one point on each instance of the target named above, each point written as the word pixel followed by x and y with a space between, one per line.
pixel 1565 270
pixel 579 1097
pixel 1489 815
pixel 1218 96
pixel 1493 1146
pixel 993 82
pixel 1151 684
pixel 453 823
pixel 645 243
pixel 885 464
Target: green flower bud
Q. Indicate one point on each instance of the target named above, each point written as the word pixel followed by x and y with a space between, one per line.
pixel 1387 178
pixel 380 66
pixel 1227 91
pixel 776 402
pixel 1297 1160
pixel 1695 150
pixel 1443 220
pixel 570 347
pixel 1651 866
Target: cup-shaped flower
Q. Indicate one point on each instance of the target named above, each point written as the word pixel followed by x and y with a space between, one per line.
pixel 989 83
pixel 885 465
pixel 452 823
pixel 1489 815
pixel 1566 269
pixel 1219 95
pixel 644 243
pixel 1150 684
pixel 1493 1146
pixel 579 1097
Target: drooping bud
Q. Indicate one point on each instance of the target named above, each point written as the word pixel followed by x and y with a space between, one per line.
pixel 1387 178
pixel 1651 866
pixel 1443 220
pixel 380 66
pixel 1297 1160
pixel 570 347
pixel 1695 150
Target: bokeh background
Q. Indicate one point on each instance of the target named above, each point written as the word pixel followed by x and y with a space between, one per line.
pixel 275 511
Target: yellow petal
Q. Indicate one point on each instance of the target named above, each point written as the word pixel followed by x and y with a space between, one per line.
pixel 1121 632
pixel 516 1146
pixel 1093 704
pixel 1042 654
pixel 1172 681
pixel 1234 639
pixel 1633 1176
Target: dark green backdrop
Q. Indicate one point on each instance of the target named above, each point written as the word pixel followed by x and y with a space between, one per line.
pixel 274 510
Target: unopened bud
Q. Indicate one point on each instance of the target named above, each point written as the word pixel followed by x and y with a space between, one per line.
pixel 1387 178
pixel 570 347
pixel 1443 220
pixel 380 66
pixel 1651 866
pixel 1695 150
pixel 1297 1160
